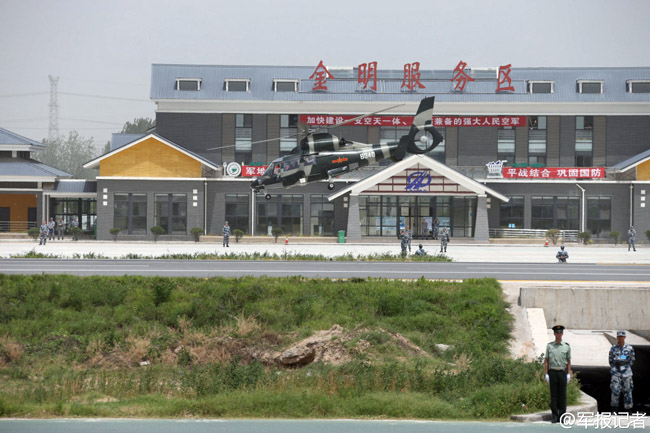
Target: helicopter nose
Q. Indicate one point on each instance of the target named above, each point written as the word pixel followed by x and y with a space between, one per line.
pixel 256 183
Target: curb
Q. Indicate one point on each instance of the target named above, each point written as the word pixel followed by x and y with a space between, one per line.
pixel 587 404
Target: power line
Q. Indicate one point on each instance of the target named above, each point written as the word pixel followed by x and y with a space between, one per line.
pixel 116 98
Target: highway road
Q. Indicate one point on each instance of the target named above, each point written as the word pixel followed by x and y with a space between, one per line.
pixel 333 269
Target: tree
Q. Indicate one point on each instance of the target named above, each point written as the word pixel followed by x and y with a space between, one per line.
pixel 139 125
pixel 70 154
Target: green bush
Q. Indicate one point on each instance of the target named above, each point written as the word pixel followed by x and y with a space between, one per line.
pixel 584 237
pixel 196 233
pixel 277 232
pixel 615 236
pixel 115 231
pixel 553 234
pixel 647 234
pixel 76 233
pixel 238 234
pixel 156 231
pixel 34 233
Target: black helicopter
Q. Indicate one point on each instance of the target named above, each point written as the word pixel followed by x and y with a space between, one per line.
pixel 322 156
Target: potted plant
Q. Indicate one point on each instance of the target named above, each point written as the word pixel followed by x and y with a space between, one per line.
pixel 196 233
pixel 238 234
pixel 277 232
pixel 584 237
pixel 553 234
pixel 33 233
pixel 615 235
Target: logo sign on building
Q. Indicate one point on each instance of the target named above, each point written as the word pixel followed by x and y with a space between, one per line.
pixel 461 122
pixel 418 181
pixel 233 169
pixel 554 173
pixel 495 168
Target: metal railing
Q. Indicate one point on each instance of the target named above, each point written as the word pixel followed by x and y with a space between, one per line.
pixel 16 226
pixel 563 235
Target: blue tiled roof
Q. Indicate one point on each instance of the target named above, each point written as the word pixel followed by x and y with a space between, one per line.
pixel 437 82
pixel 75 186
pixel 8 137
pixel 28 168
pixel 627 163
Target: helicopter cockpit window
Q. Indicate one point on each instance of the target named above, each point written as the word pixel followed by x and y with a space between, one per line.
pixel 272 170
pixel 291 163
pixel 309 159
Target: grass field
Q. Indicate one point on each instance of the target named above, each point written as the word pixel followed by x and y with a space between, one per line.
pixel 179 347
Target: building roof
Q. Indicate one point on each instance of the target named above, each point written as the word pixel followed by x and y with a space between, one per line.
pixel 75 186
pixel 411 161
pixel 19 169
pixel 632 162
pixel 437 82
pixel 94 163
pixel 12 141
pixel 119 140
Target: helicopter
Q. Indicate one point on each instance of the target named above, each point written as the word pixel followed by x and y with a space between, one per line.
pixel 323 156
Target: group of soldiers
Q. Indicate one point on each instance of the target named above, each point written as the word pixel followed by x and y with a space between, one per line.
pixel 406 236
pixel 557 364
pixel 48 228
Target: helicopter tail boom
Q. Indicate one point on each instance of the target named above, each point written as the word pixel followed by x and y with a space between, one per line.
pixel 422 130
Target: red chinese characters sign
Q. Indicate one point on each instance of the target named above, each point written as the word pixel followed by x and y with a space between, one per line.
pixel 252 170
pixel 328 120
pixel 320 76
pixel 367 74
pixel 553 173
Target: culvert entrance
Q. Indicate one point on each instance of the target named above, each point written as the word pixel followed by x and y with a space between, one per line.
pixel 595 382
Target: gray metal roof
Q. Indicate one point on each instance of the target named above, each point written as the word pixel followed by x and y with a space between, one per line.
pixel 28 168
pixel 75 186
pixel 119 140
pixel 11 138
pixel 437 82
pixel 631 162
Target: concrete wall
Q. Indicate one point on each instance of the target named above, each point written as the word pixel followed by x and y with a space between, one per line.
pixel 591 308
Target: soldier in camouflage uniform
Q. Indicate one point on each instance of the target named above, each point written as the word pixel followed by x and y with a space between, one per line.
pixel 420 251
pixel 621 359
pixel 631 238
pixel 404 241
pixel 444 240
pixel 226 235
pixel 73 224
pixel 50 229
pixel 409 233
pixel 60 230
pixel 44 232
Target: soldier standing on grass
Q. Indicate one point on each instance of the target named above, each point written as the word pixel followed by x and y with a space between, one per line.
pixel 557 363
pixel 226 235
pixel 621 359
pixel 444 240
pixel 44 230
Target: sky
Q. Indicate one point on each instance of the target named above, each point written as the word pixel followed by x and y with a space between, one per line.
pixel 102 51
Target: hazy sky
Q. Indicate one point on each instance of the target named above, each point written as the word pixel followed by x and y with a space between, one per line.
pixel 105 48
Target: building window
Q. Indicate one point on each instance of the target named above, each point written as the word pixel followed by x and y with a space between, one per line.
pixel 285 85
pixel 237 85
pixel 84 209
pixel 188 84
pixel 555 213
pixel 638 86
pixel 537 141
pixel 237 206
pixel 584 141
pixel 540 87
pixel 585 86
pixel 243 138
pixel 378 215
pixel 130 213
pixel 599 216
pixel 284 211
pixel 170 213
pixel 288 133
pixel 322 216
pixel 506 144
pixel 511 214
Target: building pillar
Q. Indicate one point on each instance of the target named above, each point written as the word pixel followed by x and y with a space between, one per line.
pixel 482 228
pixel 354 223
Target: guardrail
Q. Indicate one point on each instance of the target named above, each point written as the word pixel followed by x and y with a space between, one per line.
pixel 16 226
pixel 563 235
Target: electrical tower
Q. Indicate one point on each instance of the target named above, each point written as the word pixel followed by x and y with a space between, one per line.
pixel 53 130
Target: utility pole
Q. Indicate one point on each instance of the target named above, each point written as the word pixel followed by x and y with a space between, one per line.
pixel 53 130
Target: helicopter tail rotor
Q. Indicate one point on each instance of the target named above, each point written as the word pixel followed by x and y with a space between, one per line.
pixel 423 137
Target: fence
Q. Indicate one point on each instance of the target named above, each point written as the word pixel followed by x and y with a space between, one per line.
pixel 16 226
pixel 563 235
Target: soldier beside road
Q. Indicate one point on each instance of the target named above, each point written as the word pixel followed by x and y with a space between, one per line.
pixel 409 233
pixel 444 240
pixel 50 229
pixel 631 238
pixel 562 255
pixel 404 241
pixel 226 235
pixel 74 223
pixel 557 364
pixel 44 230
pixel 60 230
pixel 420 251
pixel 621 359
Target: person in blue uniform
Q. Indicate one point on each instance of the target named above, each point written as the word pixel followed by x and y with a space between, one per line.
pixel 226 235
pixel 621 359
pixel 557 363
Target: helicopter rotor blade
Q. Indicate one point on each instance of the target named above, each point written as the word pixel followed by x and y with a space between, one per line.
pixel 365 115
pixel 258 142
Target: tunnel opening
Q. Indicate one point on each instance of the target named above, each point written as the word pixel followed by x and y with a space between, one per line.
pixel 594 381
